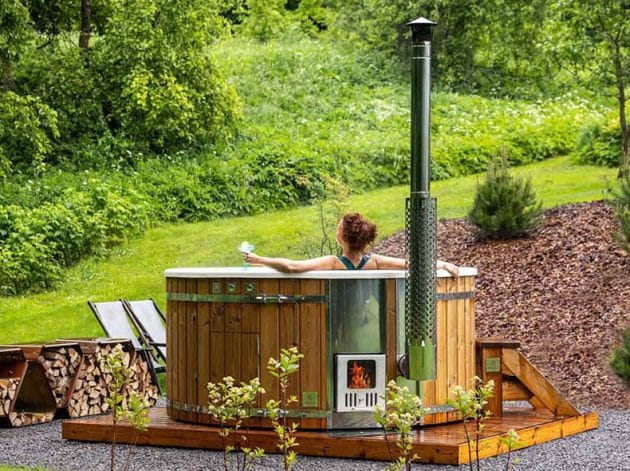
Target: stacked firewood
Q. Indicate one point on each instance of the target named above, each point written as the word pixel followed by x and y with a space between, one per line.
pixel 8 390
pixel 89 394
pixel 60 365
pixel 143 382
pixel 91 388
pixel 77 375
pixel 21 419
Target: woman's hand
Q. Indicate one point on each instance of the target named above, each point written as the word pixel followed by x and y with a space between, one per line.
pixel 449 267
pixel 251 258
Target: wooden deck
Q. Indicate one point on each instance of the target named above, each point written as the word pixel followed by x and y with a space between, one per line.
pixel 444 443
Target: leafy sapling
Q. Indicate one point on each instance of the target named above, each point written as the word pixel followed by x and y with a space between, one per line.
pixel 288 364
pixel 470 404
pixel 123 401
pixel 229 405
pixel 510 441
pixel 331 204
pixel 402 411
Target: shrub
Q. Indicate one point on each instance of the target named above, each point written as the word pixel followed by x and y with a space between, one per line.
pixel 35 243
pixel 26 261
pixel 620 359
pixel 504 206
pixel 229 405
pixel 621 203
pixel 27 130
pixel 600 143
pixel 282 368
pixel 124 400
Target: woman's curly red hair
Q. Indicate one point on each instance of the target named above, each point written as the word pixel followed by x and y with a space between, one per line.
pixel 357 231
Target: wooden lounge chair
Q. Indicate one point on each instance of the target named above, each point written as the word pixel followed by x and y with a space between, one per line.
pixel 115 321
pixel 151 322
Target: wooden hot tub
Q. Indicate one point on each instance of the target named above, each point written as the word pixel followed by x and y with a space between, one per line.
pixel 230 321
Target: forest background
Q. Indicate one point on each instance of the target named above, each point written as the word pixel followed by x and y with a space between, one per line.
pixel 116 115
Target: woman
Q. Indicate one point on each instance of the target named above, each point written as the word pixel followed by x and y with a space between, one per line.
pixel 354 235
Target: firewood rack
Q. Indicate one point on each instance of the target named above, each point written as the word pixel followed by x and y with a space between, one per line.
pixel 26 396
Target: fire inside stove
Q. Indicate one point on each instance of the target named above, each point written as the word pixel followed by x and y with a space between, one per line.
pixel 360 374
pixel 360 382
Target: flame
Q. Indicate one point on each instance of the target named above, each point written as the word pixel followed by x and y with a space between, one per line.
pixel 360 379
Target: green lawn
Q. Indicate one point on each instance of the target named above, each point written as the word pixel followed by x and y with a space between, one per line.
pixel 136 270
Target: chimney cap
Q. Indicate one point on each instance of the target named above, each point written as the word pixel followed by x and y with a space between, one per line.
pixel 421 22
pixel 421 30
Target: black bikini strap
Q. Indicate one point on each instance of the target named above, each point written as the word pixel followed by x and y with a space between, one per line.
pixel 363 261
pixel 346 262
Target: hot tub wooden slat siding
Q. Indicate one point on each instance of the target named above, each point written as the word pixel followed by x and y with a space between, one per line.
pixel 290 329
pixel 211 340
pixel 312 344
pixel 203 347
pixel 182 341
pixel 455 353
pixel 218 327
pixel 170 310
pixel 469 314
pixel 269 342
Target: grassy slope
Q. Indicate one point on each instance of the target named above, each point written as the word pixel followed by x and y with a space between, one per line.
pixel 137 270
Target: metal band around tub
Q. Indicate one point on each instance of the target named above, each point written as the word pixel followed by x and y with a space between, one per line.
pixel 455 296
pixel 254 412
pixel 248 298
pixel 282 298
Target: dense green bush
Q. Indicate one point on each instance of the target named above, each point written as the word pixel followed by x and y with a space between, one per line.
pixel 600 143
pixel 504 206
pixel 188 189
pixel 470 130
pixel 26 261
pixel 361 131
pixel 27 130
pixel 35 243
pixel 620 359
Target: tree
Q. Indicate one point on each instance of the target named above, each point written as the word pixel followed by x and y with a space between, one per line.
pixel 478 44
pixel 121 75
pixel 86 25
pixel 15 31
pixel 592 41
pixel 156 77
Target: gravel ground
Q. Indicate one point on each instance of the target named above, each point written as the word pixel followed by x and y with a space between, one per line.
pixel 607 448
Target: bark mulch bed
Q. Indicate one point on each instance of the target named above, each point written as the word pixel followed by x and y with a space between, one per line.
pixel 563 292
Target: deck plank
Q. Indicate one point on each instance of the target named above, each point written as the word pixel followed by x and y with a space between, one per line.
pixel 442 443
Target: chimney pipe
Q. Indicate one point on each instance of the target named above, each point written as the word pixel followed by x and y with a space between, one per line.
pixel 421 216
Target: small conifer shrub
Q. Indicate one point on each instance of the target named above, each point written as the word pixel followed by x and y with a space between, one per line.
pixel 505 206
pixel 620 359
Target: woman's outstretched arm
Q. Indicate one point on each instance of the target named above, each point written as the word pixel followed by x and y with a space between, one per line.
pixel 291 266
pixel 394 263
